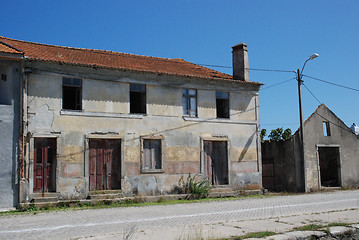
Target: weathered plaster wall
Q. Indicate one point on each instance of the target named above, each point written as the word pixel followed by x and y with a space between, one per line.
pixel 9 135
pixel 106 114
pixel 341 137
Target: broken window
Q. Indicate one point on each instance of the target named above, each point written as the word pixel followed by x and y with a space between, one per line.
pixel 326 129
pixel 189 102
pixel 72 93
pixel 222 104
pixel 137 98
pixel 152 154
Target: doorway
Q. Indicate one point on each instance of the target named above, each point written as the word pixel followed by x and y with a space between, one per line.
pixel 45 165
pixel 216 162
pixel 329 162
pixel 105 164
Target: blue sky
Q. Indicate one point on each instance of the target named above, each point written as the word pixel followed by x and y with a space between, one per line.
pixel 280 34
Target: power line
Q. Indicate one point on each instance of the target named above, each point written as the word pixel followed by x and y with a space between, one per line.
pixel 278 83
pixel 335 84
pixel 312 94
pixel 209 65
pixel 270 70
pixel 251 69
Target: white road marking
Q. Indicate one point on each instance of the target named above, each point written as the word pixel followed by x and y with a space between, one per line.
pixel 170 217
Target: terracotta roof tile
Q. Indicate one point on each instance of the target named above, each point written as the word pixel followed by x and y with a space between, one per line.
pixel 8 49
pixel 114 60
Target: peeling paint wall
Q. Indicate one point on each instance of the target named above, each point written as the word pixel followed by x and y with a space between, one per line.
pixel 289 168
pixel 341 137
pixel 9 133
pixel 105 114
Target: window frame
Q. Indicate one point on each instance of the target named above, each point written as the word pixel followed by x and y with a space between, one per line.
pixel 77 87
pixel 162 149
pixel 137 88
pixel 187 110
pixel 326 129
pixel 225 100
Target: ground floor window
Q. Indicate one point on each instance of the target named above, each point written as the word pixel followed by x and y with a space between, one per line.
pixel 151 155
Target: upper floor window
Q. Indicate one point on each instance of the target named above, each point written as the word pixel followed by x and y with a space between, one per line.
pixel 326 129
pixel 222 104
pixel 189 102
pixel 72 93
pixel 137 98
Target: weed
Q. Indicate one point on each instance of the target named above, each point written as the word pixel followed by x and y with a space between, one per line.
pixel 32 208
pixel 256 235
pixel 62 204
pixel 309 227
pixel 161 199
pixel 335 224
pixel 46 207
pixel 195 189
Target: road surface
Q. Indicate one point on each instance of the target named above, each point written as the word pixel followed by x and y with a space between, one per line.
pixel 184 221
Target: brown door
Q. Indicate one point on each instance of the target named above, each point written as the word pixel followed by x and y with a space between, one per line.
pixel 105 164
pixel 45 165
pixel 216 162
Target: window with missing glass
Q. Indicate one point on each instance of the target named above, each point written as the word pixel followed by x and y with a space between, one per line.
pixel 222 104
pixel 151 155
pixel 189 102
pixel 137 98
pixel 71 93
pixel 326 129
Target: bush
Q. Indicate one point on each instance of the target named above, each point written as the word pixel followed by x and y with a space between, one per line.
pixel 195 189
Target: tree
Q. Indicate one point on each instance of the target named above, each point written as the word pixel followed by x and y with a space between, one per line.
pixel 279 134
pixel 287 133
pixel 276 134
pixel 263 133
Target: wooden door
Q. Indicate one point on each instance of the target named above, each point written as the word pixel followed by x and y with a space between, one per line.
pixel 216 162
pixel 104 164
pixel 45 165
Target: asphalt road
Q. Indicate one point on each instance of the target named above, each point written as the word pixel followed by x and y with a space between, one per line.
pixel 169 221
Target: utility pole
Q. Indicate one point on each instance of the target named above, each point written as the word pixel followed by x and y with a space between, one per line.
pixel 299 78
pixel 301 128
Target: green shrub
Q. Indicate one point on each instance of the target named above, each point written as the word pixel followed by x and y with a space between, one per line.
pixel 195 189
pixel 32 208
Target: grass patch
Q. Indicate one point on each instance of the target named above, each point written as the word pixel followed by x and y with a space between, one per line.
pixel 339 224
pixel 309 227
pixel 255 235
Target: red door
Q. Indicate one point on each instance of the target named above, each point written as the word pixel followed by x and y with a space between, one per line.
pixel 216 162
pixel 104 164
pixel 45 165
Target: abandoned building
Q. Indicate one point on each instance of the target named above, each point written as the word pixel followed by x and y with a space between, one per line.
pixel 331 156
pixel 10 124
pixel 98 120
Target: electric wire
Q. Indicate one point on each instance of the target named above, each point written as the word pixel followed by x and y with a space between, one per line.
pixel 269 70
pixel 251 69
pixel 335 84
pixel 278 83
pixel 312 94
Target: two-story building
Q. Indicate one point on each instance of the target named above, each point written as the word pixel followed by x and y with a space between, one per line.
pixel 100 120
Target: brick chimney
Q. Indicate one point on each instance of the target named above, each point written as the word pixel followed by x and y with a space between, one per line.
pixel 240 62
